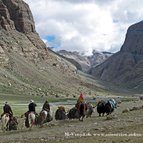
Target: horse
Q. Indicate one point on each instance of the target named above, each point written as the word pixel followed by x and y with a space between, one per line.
pixel 82 111
pixel 13 123
pixel 44 117
pixel 30 119
pixel 5 122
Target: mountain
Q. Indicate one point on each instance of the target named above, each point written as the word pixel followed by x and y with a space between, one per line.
pixel 85 63
pixel 98 57
pixel 125 68
pixel 27 67
pixel 81 62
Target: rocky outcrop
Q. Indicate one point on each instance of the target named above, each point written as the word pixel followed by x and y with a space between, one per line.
pixel 3 57
pixel 125 67
pixel 18 32
pixel 5 21
pixel 17 12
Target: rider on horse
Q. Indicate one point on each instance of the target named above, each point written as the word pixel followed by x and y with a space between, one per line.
pixel 46 106
pixel 45 114
pixel 7 109
pixel 81 106
pixel 81 100
pixel 31 108
pixel 8 112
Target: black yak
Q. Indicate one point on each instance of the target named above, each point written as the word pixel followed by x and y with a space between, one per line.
pixel 106 106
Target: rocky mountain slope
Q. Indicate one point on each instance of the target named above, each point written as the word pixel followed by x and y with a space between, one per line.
pixel 27 67
pixel 85 63
pixel 125 68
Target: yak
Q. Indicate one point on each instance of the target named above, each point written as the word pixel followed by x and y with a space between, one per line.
pixel 106 106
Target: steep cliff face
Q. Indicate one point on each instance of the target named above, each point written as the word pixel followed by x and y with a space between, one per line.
pixel 134 39
pixel 18 32
pixel 17 15
pixel 126 66
pixel 5 21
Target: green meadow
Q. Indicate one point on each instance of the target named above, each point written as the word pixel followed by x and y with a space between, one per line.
pixel 19 103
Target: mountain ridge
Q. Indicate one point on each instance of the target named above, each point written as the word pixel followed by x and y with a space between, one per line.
pixel 125 67
pixel 85 63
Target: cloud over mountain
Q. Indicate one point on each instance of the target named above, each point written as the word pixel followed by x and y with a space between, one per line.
pixel 81 25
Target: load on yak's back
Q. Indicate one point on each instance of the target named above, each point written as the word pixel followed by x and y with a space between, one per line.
pixel 106 106
pixel 60 113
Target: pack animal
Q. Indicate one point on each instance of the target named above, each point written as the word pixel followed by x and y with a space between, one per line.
pixel 106 106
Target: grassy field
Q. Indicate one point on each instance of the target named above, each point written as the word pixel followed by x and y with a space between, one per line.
pixel 19 103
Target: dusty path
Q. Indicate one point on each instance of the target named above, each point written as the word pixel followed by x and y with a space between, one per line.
pixel 122 127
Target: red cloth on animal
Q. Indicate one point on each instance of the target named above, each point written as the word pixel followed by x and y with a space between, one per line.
pixel 81 97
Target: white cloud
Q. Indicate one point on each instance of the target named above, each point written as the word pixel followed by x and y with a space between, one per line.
pixel 83 25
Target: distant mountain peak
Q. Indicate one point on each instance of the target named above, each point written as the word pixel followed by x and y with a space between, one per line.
pixel 86 62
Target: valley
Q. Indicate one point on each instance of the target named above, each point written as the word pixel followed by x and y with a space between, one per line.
pixel 30 70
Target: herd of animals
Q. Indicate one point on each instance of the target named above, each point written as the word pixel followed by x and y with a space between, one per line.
pixel 84 110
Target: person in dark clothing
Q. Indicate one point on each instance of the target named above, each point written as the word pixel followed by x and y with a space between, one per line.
pixel 7 109
pixel 46 106
pixel 32 106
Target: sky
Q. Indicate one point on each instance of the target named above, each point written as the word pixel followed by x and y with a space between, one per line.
pixel 85 25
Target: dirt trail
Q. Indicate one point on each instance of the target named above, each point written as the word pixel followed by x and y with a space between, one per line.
pixel 122 127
